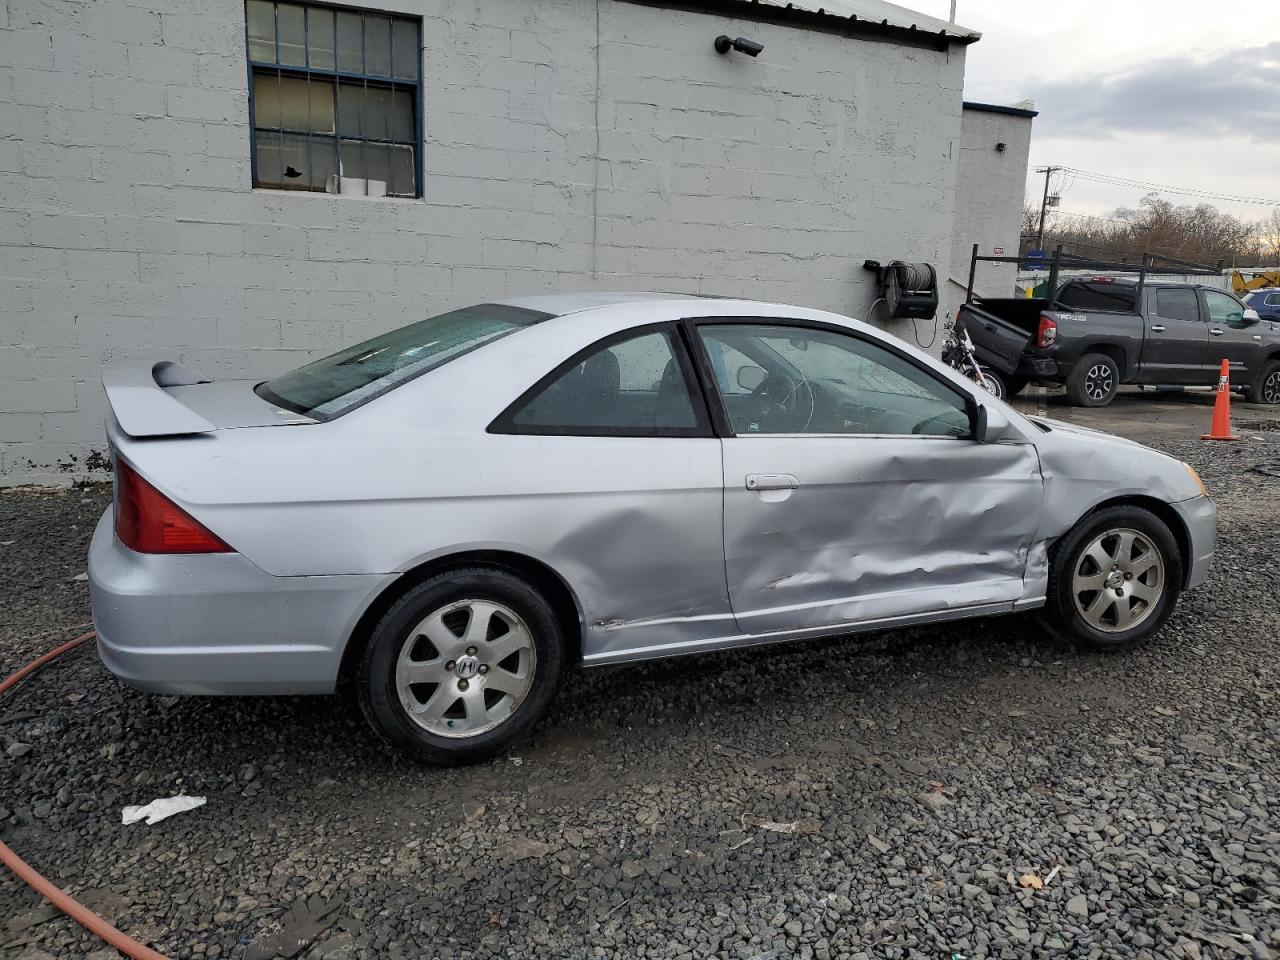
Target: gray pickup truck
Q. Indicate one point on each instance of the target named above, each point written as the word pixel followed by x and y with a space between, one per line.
pixel 1096 333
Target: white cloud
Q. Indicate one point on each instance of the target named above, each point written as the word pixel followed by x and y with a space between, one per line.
pixel 1163 91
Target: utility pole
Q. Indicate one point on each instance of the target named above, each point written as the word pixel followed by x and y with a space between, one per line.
pixel 953 11
pixel 1044 202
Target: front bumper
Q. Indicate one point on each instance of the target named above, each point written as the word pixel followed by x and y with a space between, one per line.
pixel 1200 515
pixel 216 623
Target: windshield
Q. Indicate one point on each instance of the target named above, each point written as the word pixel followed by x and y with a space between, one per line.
pixel 330 387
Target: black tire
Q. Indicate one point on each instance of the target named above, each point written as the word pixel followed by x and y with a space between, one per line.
pixel 992 382
pixel 1093 380
pixel 1062 615
pixel 1266 388
pixel 1014 385
pixel 377 689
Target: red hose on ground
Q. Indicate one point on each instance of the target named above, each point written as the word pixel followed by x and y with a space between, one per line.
pixel 60 899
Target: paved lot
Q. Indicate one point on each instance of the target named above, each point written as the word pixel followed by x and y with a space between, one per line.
pixel 876 798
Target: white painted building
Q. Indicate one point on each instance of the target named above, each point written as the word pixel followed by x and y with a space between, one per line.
pixel 242 186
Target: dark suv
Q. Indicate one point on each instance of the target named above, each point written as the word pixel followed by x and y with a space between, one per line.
pixel 1266 301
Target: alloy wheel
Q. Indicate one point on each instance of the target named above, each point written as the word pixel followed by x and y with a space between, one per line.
pixel 1118 580
pixel 1098 382
pixel 1271 388
pixel 465 668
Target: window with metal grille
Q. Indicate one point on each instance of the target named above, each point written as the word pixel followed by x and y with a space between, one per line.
pixel 335 99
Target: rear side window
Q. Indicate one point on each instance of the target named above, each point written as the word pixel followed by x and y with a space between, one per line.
pixel 638 386
pixel 1095 295
pixel 330 387
pixel 1177 304
pixel 1273 300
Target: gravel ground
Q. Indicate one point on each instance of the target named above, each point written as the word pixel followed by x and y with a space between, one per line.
pixel 977 789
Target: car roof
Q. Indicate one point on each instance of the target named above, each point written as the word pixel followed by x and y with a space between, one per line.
pixel 1132 281
pixel 560 304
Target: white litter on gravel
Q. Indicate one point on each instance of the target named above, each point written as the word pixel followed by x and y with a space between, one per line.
pixel 158 810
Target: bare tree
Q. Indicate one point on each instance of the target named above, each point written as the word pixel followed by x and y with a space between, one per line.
pixel 1199 233
pixel 1269 237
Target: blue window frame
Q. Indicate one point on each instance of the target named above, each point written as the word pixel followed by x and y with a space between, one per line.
pixel 335 99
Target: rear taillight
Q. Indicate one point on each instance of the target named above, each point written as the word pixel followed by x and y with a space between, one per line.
pixel 1047 332
pixel 149 522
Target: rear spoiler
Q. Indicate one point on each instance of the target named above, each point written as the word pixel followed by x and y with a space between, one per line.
pixel 143 407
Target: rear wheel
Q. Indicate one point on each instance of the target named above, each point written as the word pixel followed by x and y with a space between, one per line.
pixel 461 666
pixel 1014 385
pixel 1093 380
pixel 1266 388
pixel 1114 579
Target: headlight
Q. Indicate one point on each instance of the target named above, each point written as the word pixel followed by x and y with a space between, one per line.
pixel 1204 491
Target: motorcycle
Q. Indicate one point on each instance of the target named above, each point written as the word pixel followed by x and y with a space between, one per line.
pixel 957 353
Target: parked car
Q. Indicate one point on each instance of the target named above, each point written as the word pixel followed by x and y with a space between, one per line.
pixel 1265 301
pixel 1095 335
pixel 448 516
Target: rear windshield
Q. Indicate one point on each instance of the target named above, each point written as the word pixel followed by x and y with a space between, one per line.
pixel 330 387
pixel 1092 295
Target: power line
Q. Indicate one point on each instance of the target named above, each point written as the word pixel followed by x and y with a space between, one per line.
pixel 1119 181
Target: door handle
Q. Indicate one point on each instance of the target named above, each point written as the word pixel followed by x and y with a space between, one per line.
pixel 1258 337
pixel 1157 328
pixel 1217 331
pixel 771 481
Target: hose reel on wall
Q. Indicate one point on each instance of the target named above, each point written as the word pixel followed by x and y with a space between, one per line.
pixel 909 291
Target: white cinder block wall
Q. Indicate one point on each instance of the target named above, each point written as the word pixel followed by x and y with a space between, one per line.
pixel 129 228
pixel 989 201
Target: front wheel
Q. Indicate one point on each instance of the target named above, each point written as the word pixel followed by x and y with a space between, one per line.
pixel 1093 381
pixel 991 382
pixel 461 665
pixel 1265 389
pixel 1114 579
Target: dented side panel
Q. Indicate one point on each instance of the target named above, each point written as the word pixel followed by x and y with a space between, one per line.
pixel 876 527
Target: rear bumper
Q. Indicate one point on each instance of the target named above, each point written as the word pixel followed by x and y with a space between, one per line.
pixel 1200 515
pixel 216 623
pixel 1038 368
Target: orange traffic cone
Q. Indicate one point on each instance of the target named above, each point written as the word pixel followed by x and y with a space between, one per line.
pixel 1221 427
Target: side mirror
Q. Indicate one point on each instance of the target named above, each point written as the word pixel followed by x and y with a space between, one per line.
pixel 991 426
pixel 750 377
pixel 1250 317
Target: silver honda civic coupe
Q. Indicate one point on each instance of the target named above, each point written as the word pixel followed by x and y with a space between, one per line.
pixel 447 517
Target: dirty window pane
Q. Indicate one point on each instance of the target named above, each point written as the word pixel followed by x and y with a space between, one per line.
pixel 266 99
pixel 377 45
pixel 292 103
pixel 350 42
pixel 404 49
pixel 1177 304
pixel 291 24
pixel 269 172
pixel 633 388
pixel 400 122
pixel 330 387
pixel 261 17
pixel 401 163
pixel 823 382
pixel 320 38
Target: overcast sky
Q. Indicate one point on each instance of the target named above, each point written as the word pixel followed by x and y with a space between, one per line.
pixel 1162 91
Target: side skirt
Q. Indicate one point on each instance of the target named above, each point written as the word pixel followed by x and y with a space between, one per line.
pixel 684 647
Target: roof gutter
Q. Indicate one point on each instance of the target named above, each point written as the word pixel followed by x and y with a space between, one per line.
pixel 853 26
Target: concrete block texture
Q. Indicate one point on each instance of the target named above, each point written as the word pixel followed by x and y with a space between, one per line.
pixel 130 228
